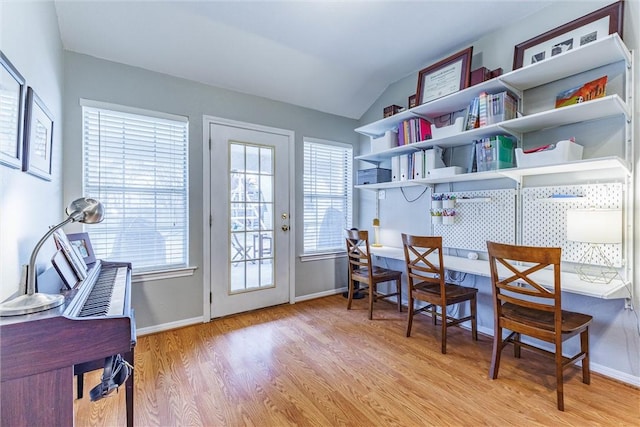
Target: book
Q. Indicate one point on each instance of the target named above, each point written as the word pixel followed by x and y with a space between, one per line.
pixel 482 109
pixel 594 89
pixel 472 115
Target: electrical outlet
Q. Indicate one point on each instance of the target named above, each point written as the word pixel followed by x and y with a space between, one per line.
pixel 382 194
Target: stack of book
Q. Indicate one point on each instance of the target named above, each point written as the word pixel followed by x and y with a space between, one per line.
pixel 413 130
pixel 487 109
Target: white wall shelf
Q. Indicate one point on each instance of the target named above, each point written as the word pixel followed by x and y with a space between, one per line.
pixel 614 167
pixel 602 52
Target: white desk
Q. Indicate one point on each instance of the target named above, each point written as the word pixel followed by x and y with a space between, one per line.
pixel 570 282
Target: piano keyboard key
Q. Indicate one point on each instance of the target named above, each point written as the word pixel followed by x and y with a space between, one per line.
pixel 108 294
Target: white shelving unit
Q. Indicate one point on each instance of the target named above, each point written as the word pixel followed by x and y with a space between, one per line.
pixel 608 50
pixel 537 79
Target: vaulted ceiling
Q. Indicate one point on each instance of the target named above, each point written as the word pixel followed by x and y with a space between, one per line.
pixel 332 56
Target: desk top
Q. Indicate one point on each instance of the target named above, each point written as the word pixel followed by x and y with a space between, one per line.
pixel 570 282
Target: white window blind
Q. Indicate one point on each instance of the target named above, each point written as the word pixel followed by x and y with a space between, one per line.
pixel 136 165
pixel 328 183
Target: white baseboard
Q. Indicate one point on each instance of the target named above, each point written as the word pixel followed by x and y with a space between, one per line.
pixel 321 294
pixel 168 326
pixel 616 375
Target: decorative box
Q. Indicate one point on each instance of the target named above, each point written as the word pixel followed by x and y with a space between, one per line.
pixel 373 176
pixel 495 153
pixel 391 110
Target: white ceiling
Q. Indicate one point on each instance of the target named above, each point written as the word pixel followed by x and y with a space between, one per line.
pixel 331 56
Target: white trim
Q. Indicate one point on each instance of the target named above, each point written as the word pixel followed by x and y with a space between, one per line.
pixel 163 274
pixel 322 255
pixel 164 327
pixel 132 110
pixel 207 121
pixel 327 142
pixel 322 294
pixel 615 374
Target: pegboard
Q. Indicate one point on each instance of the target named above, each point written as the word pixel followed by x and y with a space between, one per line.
pixel 544 219
pixel 480 216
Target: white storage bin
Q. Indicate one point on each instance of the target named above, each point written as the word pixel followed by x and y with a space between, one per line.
pixel 564 151
pixel 385 142
pixel 450 130
pixel 444 172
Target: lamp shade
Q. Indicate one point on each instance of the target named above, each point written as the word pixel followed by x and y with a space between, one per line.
pixel 594 225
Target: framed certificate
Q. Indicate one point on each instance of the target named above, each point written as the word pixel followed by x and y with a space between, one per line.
pixel 445 77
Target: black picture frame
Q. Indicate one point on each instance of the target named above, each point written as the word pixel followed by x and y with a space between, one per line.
pixel 38 137
pixel 12 91
pixel 445 77
pixel 570 35
pixel 83 243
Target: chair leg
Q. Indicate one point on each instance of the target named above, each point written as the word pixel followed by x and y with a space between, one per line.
pixel 434 314
pixel 474 318
pixel 584 348
pixel 399 297
pixel 410 317
pixel 444 330
pixel 350 298
pixel 372 286
pixel 495 355
pixel 559 377
pixel 516 345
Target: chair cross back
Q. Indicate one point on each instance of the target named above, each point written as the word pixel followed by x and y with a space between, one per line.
pixel 525 307
pixel 362 270
pixel 426 282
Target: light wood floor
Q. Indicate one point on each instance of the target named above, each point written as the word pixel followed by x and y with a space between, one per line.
pixel 316 364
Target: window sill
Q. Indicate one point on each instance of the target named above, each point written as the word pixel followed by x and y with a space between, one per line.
pixel 322 255
pixel 163 274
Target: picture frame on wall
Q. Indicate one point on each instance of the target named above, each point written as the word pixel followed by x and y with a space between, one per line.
pixel 586 29
pixel 444 77
pixel 12 90
pixel 38 137
pixel 83 243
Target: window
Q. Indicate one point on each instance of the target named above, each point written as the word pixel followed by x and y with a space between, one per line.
pixel 328 182
pixel 135 163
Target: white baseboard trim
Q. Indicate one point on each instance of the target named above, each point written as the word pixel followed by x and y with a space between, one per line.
pixel 168 326
pixel 321 294
pixel 616 375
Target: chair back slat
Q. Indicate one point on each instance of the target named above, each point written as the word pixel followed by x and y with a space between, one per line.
pixel 520 288
pixel 420 268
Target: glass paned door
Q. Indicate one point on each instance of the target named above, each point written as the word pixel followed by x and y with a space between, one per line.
pixel 251 216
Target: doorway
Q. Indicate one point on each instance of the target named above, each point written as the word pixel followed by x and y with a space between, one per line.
pixel 250 242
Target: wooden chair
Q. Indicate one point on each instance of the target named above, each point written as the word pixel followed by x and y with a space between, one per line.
pixel 525 307
pixel 425 278
pixel 363 271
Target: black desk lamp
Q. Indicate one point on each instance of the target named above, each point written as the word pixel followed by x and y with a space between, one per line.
pixel 85 210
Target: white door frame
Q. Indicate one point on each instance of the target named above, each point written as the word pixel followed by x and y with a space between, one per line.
pixel 207 121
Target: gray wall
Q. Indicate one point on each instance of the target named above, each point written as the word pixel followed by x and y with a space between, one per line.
pixel 174 300
pixel 615 340
pixel 29 37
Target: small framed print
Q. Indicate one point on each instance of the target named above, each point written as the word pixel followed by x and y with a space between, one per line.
pixel 83 243
pixel 444 77
pixel 572 35
pixel 38 137
pixel 412 101
pixel 12 89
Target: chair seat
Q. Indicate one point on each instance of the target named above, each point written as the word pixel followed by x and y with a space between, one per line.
pixel 454 292
pixel 571 321
pixel 379 274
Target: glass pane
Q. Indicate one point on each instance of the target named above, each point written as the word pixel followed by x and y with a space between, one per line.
pixel 237 157
pixel 266 187
pixel 266 161
pixel 238 247
pixel 238 218
pixel 253 159
pixel 237 276
pixel 266 273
